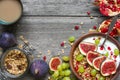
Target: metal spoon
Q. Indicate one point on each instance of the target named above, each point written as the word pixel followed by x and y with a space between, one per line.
pixel 114 19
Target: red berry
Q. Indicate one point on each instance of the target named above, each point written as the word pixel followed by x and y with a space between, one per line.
pixel 104 30
pixel 94 27
pixel 111 53
pixel 62 44
pixel 101 47
pixel 44 58
pixel 76 27
pixel 118 1
pixel 88 13
pixel 76 68
pixel 114 32
pixel 87 75
pixel 117 25
pixel 109 48
pixel 115 57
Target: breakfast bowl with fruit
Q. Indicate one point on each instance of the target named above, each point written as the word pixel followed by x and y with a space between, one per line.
pixel 90 60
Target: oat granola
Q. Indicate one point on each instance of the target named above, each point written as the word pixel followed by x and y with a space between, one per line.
pixel 15 62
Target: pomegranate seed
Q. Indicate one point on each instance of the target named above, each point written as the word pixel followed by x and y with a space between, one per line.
pixel 76 27
pixel 94 27
pixel 76 68
pixel 77 63
pixel 117 25
pixel 62 44
pixel 87 75
pixel 111 53
pixel 102 47
pixel 111 2
pixel 114 32
pixel 86 65
pixel 104 30
pixel 115 57
pixel 44 58
pixel 109 48
pixel 88 13
pixel 118 1
pixel 96 79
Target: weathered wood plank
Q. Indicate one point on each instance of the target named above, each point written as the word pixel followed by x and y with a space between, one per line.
pixel 59 7
pixel 46 33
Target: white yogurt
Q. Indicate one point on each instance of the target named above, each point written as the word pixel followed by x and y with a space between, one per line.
pixel 108 47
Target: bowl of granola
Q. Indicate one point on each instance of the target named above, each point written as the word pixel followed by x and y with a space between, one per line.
pixel 89 59
pixel 14 63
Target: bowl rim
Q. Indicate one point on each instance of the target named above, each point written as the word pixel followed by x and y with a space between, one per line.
pixel 112 77
pixel 7 73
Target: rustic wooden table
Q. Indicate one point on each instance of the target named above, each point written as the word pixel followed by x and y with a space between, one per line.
pixel 46 23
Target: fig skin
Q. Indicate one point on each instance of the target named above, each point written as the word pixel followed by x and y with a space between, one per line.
pixel 89 47
pixel 99 64
pixel 56 64
pixel 93 55
pixel 7 40
pixel 39 68
pixel 108 67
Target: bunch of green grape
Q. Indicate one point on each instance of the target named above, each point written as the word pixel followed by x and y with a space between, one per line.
pixel 63 71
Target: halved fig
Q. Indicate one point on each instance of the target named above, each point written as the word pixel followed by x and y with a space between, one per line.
pixel 85 47
pixel 54 62
pixel 91 55
pixel 110 7
pixel 104 27
pixel 97 62
pixel 108 67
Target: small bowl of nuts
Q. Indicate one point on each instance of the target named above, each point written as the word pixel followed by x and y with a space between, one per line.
pixel 14 63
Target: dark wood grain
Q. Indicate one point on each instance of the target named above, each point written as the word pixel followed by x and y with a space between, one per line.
pixel 59 7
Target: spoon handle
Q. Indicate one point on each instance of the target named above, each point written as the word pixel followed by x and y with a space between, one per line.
pixel 114 19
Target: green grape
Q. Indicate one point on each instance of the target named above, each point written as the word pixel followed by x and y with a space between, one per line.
pixel 65 58
pixel 81 69
pixel 55 74
pixel 79 57
pixel 106 54
pixel 59 68
pixel 93 72
pixel 64 65
pixel 71 39
pixel 67 65
pixel 62 73
pixel 67 72
pixel 116 52
pixel 97 41
pixel 66 78
pixel 101 78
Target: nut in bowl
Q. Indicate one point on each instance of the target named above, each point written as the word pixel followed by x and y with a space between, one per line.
pixel 89 60
pixel 14 63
